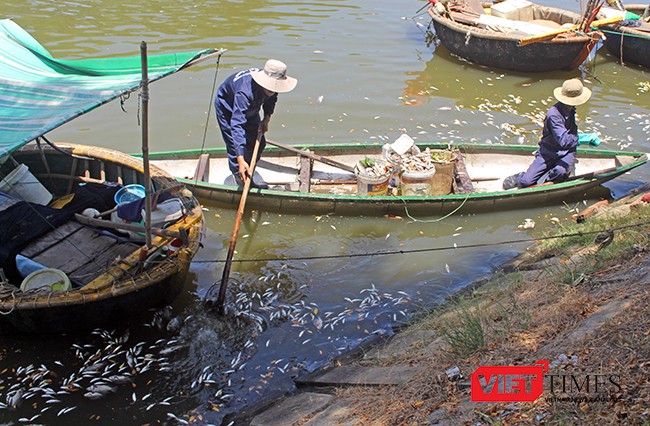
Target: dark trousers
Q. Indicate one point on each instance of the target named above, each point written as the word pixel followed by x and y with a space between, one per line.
pixel 251 136
pixel 548 167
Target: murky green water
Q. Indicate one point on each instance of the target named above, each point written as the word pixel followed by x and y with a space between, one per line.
pixel 365 73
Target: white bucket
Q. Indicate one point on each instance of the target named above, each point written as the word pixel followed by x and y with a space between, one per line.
pixel 20 183
pixel 387 151
pixel 417 183
pixel 367 185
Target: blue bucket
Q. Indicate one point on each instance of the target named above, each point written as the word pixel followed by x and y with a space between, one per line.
pixel 129 193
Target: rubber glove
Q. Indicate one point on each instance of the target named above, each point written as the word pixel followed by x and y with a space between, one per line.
pixel 588 138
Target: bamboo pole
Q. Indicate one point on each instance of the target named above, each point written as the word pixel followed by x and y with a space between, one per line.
pixel 233 238
pixel 145 142
pixel 544 37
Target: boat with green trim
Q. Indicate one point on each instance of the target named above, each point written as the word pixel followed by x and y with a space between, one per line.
pixel 319 178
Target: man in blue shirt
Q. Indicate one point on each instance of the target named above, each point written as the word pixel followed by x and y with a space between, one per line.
pixel 557 149
pixel 238 103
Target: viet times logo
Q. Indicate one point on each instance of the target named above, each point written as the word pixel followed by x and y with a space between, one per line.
pixel 526 384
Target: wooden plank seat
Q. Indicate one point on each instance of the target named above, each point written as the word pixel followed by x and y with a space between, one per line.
pixel 79 251
pixel 462 184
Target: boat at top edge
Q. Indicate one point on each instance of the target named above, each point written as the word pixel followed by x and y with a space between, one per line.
pixel 628 43
pixel 62 270
pixel 305 186
pixel 480 37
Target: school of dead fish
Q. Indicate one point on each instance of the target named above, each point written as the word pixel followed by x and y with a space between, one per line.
pixel 112 363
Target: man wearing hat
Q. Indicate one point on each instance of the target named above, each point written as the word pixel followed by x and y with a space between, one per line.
pixel 238 103
pixel 557 149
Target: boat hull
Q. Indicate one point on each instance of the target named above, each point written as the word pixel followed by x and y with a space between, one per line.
pixel 628 44
pixel 499 50
pixel 110 310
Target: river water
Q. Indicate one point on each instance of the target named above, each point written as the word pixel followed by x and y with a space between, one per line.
pixel 366 73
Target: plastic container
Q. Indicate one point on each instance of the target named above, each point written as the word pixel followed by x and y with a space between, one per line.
pixel 371 186
pixel 55 279
pixel 21 184
pixel 166 212
pixel 393 157
pixel 129 193
pixel 517 10
pixel 417 183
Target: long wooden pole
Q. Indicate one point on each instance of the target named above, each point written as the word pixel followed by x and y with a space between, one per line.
pixel 233 238
pixel 316 157
pixel 145 142
pixel 543 37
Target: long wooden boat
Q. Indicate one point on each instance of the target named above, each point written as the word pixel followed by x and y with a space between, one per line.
pixel 69 259
pixel 630 44
pixel 493 41
pixel 301 184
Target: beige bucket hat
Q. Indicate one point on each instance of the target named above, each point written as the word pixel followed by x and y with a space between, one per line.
pixel 274 77
pixel 572 92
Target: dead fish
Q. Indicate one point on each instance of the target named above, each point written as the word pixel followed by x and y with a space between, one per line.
pixel 16 399
pixel 103 389
pixel 94 395
pixel 65 410
pixel 119 379
pixel 174 324
pixel 178 419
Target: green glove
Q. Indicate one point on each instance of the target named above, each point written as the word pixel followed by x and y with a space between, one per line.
pixel 588 138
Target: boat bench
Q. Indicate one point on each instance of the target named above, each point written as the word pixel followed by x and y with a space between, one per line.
pixel 462 183
pixel 82 253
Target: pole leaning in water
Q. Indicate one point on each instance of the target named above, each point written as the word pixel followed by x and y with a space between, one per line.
pixel 233 239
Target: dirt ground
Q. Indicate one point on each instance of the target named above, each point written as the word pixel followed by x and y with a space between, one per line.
pixel 582 304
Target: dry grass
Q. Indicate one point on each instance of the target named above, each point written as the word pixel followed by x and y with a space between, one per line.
pixel 523 317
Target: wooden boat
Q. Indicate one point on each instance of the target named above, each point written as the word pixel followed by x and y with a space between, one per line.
pixel 494 41
pixel 300 182
pixel 630 44
pixel 68 259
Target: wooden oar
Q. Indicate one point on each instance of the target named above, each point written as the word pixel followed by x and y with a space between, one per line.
pixel 313 156
pixel 233 238
pixel 543 37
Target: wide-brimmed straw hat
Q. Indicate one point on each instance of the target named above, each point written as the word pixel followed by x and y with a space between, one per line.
pixel 572 92
pixel 274 77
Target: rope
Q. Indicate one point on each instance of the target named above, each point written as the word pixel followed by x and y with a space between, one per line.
pixel 433 249
pixel 440 218
pixel 13 295
pixel 207 119
pixel 624 34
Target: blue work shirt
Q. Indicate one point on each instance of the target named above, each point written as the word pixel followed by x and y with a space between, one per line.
pixel 237 105
pixel 560 133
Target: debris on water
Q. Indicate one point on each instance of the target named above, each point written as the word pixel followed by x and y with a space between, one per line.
pixel 528 224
